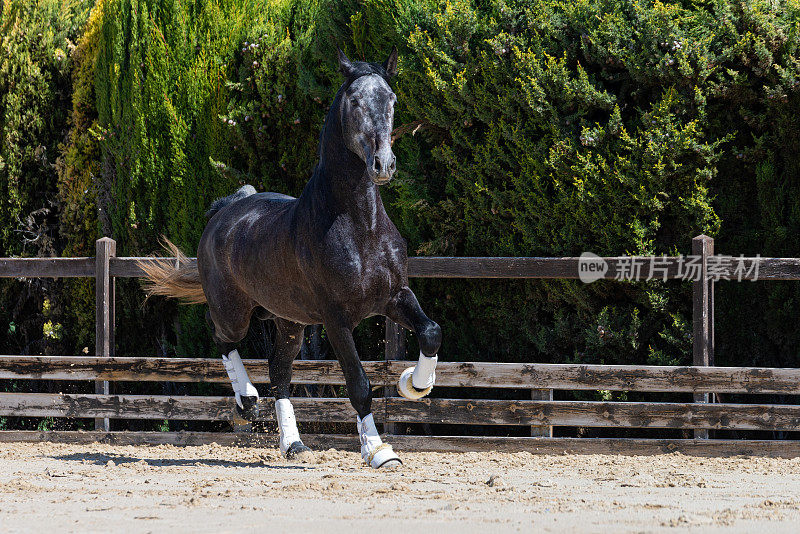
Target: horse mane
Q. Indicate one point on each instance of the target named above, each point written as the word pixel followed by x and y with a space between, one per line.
pixel 363 68
pixel 242 192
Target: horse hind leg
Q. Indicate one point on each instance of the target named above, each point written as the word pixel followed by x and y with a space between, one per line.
pixel 288 341
pixel 244 391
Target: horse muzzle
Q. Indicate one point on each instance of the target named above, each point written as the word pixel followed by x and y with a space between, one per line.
pixel 384 163
pixel 381 180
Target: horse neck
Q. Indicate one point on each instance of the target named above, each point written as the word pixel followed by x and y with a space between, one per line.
pixel 340 184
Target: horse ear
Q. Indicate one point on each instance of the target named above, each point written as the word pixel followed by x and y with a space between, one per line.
pixel 345 66
pixel 390 65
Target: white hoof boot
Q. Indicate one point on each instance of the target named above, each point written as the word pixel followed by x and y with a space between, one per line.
pixel 383 457
pixel 244 391
pixel 375 453
pixel 416 382
pixel 289 441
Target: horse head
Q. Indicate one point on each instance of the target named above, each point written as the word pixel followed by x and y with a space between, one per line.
pixel 366 111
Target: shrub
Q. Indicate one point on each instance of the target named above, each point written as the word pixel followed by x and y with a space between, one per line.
pixel 36 49
pixel 542 127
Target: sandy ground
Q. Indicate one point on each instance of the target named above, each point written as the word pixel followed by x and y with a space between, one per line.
pixel 47 487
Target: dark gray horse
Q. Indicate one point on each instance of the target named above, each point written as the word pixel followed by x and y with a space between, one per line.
pixel 331 256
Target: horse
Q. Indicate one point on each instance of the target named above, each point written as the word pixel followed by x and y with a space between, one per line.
pixel 331 256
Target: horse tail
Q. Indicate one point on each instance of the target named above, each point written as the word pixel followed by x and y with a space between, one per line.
pixel 244 191
pixel 178 278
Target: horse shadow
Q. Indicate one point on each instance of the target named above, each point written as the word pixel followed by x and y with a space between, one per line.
pixel 119 459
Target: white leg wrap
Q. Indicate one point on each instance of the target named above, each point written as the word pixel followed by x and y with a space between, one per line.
pixel 416 382
pixel 374 452
pixel 242 387
pixel 287 425
pixel 425 372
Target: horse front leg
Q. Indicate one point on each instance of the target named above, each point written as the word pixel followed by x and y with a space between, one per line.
pixel 404 309
pixel 375 453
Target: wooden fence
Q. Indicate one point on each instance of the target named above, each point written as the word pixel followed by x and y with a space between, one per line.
pixel 541 412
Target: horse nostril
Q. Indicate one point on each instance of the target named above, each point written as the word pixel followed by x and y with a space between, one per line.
pixel 376 165
pixel 393 165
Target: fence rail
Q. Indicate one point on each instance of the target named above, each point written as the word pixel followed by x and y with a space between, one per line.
pixel 434 411
pixel 689 379
pixel 541 413
pixel 46 267
pixel 434 267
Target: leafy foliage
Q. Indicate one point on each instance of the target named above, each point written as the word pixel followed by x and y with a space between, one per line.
pixel 525 128
pixel 36 57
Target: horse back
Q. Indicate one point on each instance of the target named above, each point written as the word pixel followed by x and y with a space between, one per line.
pixel 232 225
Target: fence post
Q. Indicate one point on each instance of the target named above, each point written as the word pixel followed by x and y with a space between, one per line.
pixel 105 248
pixel 395 350
pixel 703 315
pixel 542 431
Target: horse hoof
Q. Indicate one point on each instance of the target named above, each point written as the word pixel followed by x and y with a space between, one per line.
pixel 298 451
pixel 407 390
pixel 390 465
pixel 383 457
pixel 248 409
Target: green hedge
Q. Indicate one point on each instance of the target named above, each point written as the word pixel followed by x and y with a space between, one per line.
pixel 37 50
pixel 536 128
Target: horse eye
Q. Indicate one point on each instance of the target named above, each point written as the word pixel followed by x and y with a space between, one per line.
pixel 354 102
